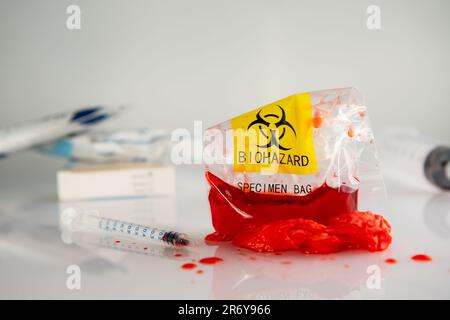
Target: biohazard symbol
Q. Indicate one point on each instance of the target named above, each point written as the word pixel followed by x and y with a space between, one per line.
pixel 273 127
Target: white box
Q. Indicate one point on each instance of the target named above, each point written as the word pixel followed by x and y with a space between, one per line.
pixel 116 181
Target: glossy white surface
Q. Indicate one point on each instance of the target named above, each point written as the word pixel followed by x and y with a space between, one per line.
pixel 34 259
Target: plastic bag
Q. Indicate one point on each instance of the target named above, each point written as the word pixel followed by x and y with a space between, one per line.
pixel 302 157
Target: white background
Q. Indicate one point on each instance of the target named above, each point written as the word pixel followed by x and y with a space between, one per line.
pixel 180 61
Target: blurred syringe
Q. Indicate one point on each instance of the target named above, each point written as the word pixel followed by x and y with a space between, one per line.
pixel 77 221
pixel 415 160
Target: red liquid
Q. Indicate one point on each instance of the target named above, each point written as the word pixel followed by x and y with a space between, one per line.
pixel 353 230
pixel 323 221
pixel 210 260
pixel 216 237
pixel 421 258
pixel 189 266
pixel 391 261
pixel 320 205
pixel 177 255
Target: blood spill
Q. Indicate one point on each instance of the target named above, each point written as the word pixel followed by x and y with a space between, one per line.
pixel 210 260
pixel 421 258
pixel 321 222
pixel 207 261
pixel 188 266
pixel 354 230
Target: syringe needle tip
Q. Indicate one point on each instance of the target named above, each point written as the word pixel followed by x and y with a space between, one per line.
pixel 182 242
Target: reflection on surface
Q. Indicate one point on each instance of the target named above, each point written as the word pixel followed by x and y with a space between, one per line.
pixel 437 214
pixel 112 249
pixel 242 274
pixel 29 231
pixel 93 240
pixel 248 275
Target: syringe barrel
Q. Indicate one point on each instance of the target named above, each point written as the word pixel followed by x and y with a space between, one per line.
pixel 76 221
pixel 415 159
pixel 122 228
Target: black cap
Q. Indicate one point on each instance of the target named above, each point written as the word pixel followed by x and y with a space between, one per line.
pixel 436 167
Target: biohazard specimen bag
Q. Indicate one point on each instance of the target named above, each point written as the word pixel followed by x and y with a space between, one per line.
pixel 286 176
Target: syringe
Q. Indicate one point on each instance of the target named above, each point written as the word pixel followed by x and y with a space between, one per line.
pixel 76 221
pixel 416 160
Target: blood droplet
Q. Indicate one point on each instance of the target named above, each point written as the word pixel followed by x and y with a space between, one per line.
pixel 421 258
pixel 350 132
pixel 210 260
pixel 200 271
pixel 189 266
pixel 117 241
pixel 390 261
pixel 178 255
pixel 317 120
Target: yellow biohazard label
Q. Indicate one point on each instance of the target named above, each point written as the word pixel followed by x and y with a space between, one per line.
pixel 276 138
